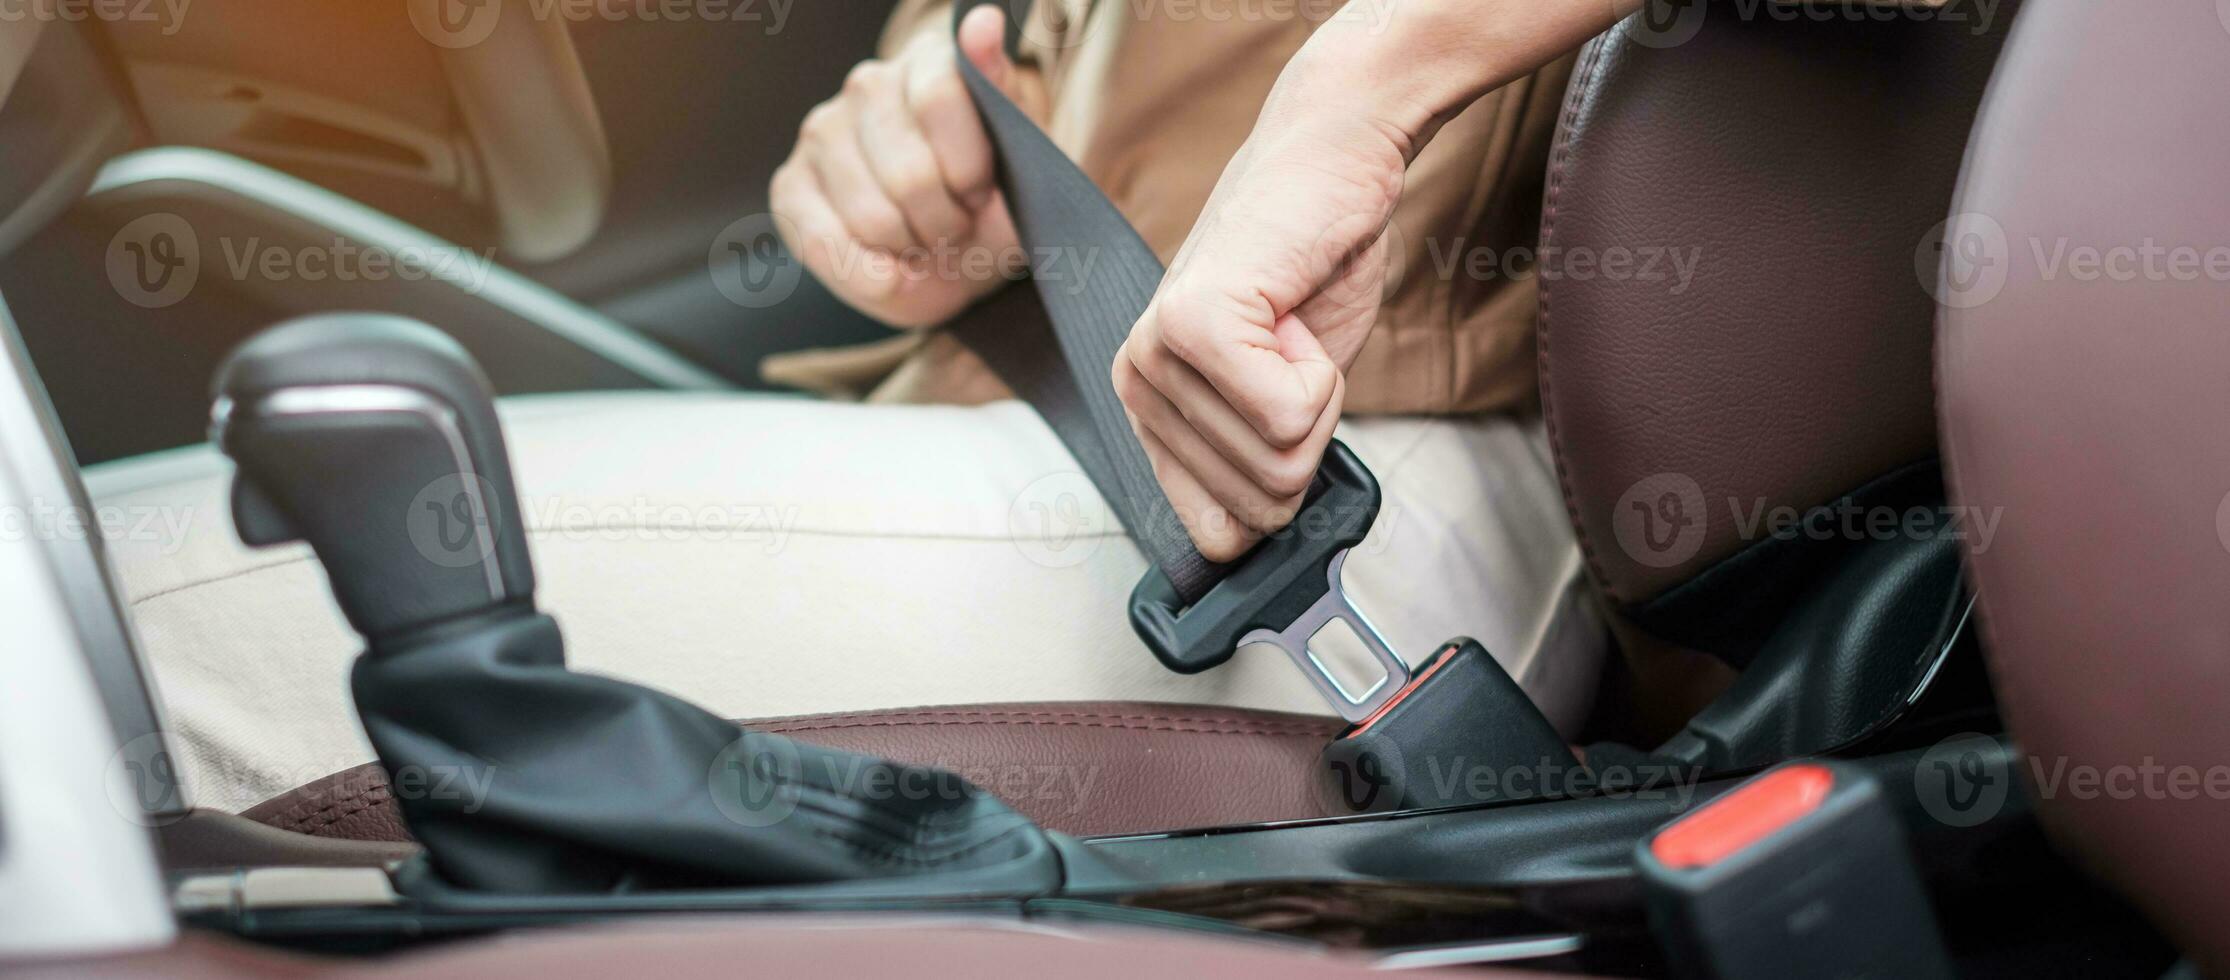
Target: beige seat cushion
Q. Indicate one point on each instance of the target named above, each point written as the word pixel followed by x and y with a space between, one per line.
pixel 770 557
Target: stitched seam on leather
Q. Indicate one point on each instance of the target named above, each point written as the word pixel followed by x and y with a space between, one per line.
pixel 1200 718
pixel 1123 726
pixel 335 789
pixel 975 715
pixel 1559 156
pixel 327 818
pixel 310 822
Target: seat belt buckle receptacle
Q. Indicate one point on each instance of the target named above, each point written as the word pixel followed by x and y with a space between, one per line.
pixel 1284 593
pixel 1803 870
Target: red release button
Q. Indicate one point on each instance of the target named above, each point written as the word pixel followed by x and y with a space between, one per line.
pixel 1743 817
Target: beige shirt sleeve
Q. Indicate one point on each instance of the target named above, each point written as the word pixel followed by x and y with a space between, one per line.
pixel 1152 100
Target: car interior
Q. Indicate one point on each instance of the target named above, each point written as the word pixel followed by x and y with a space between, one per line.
pixel 560 180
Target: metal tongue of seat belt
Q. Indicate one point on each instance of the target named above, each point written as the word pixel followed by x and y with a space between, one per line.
pixel 1191 612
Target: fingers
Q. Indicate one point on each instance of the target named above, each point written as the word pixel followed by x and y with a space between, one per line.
pixel 900 152
pixel 1215 534
pixel 1259 507
pixel 899 155
pixel 940 104
pixel 822 242
pixel 892 184
pixel 1269 369
pixel 983 41
pixel 829 144
pixel 1229 485
pixel 1171 383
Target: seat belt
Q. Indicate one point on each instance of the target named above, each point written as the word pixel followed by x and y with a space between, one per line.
pixel 1192 613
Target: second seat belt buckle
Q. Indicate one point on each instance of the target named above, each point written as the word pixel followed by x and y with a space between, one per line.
pixel 1284 593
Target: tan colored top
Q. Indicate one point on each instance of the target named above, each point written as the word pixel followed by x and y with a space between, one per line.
pixel 1153 99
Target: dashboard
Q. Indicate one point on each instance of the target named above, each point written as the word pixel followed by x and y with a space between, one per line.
pixel 494 140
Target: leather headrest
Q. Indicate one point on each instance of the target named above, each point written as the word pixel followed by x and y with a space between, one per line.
pixel 1796 165
pixel 2085 389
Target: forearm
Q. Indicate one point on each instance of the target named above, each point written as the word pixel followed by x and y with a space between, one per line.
pixel 1414 64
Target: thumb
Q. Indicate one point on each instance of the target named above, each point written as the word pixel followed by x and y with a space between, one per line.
pixel 983 41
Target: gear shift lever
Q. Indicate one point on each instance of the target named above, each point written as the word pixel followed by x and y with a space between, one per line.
pixel 375 439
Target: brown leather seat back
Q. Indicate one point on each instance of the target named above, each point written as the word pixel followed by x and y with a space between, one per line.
pixel 2086 397
pixel 1795 164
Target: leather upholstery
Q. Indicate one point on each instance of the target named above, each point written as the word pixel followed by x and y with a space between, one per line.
pixel 1803 161
pixel 1080 768
pixel 212 839
pixel 761 946
pixel 353 804
pixel 2091 411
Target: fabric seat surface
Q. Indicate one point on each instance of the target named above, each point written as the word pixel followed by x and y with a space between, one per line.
pixel 774 557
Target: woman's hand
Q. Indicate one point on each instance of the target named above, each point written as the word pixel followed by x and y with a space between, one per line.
pixel 1234 377
pixel 888 197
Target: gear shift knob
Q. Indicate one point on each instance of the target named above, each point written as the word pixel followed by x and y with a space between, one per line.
pixel 374 438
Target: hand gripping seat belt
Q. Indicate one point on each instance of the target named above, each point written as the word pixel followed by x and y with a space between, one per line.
pixel 1192 613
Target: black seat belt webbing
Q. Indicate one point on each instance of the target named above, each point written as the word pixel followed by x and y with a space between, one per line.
pixel 1058 210
pixel 1057 355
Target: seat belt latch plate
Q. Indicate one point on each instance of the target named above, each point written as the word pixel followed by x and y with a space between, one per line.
pixel 1284 593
